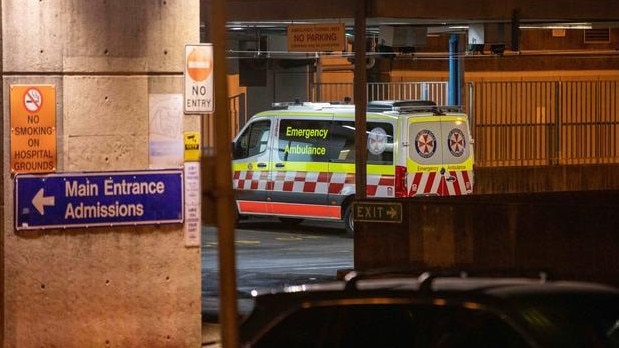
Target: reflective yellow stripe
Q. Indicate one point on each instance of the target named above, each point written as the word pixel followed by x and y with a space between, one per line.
pixel 303 166
pixel 413 166
pixel 372 169
pixel 244 166
pixel 466 165
pixel 432 118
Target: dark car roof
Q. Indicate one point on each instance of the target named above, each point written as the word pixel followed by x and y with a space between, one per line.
pixel 426 283
pixel 485 289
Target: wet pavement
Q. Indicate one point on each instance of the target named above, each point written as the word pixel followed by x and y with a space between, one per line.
pixel 270 255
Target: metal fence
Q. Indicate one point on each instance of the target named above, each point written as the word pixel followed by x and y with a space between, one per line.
pixel 432 90
pixel 238 117
pixel 521 123
pixel 544 122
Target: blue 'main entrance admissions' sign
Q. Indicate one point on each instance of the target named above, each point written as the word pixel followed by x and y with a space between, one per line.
pixel 98 199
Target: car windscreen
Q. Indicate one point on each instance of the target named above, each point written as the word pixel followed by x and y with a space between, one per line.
pixel 574 320
pixel 387 322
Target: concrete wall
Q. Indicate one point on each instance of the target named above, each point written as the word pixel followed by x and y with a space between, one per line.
pixel 546 178
pixel 109 286
pixel 570 235
pixel 560 219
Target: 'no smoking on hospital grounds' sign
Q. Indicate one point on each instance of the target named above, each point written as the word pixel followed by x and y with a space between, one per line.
pixel 33 128
pixel 198 79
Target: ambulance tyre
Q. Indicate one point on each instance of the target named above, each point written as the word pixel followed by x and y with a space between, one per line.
pixel 290 221
pixel 237 216
pixel 349 223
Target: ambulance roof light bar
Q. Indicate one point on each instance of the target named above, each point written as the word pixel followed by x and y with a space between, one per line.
pixel 297 105
pixel 386 106
pixel 395 105
pixel 437 110
pixel 407 106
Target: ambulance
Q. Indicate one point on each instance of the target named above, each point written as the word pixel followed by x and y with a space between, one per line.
pixel 297 161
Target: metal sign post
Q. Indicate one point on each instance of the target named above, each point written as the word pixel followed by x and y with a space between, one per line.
pixel 359 90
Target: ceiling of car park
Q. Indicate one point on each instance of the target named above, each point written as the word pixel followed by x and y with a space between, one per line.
pixel 278 14
pixel 248 21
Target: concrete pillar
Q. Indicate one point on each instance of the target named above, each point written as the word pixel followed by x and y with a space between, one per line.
pixel 114 286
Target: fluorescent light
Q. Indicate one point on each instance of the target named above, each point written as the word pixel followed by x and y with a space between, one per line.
pixel 558 26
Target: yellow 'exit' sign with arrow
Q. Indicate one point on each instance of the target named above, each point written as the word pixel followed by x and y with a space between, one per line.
pixel 377 212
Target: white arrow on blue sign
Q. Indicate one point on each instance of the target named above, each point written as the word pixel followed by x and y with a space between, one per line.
pixel 98 199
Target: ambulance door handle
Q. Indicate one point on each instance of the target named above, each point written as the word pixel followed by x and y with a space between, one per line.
pixel 279 165
pixel 448 177
pixel 262 165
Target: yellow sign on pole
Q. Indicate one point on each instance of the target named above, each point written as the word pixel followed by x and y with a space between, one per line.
pixel 192 146
pixel 33 128
pixel 316 37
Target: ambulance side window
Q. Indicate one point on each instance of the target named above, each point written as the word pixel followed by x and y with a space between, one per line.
pixel 303 140
pixel 253 140
pixel 379 142
pixel 342 145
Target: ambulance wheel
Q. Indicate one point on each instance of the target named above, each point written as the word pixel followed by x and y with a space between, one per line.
pixel 237 216
pixel 349 222
pixel 290 221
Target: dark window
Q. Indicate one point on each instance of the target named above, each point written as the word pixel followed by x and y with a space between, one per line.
pixel 253 140
pixel 304 140
pixel 342 146
pixel 574 320
pixel 346 326
pixel 393 325
pixel 379 142
pixel 457 327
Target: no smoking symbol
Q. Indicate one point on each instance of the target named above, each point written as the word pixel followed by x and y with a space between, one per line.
pixel 33 100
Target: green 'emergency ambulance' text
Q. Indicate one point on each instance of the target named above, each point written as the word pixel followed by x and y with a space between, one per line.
pixel 306 133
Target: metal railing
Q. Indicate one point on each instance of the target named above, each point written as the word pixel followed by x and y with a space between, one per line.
pixel 238 118
pixel 528 123
pixel 433 90
pixel 521 123
pixel 430 90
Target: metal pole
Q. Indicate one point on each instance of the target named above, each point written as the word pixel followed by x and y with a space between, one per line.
pixel 359 90
pixel 228 312
pixel 454 71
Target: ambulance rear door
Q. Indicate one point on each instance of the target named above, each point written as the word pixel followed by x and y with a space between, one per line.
pixel 440 155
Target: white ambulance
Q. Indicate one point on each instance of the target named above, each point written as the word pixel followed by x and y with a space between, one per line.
pixel 297 161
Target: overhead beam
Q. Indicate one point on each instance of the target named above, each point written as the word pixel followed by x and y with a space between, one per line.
pixel 498 10
pixel 568 10
pixel 265 10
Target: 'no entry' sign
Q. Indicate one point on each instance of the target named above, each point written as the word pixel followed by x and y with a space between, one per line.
pixel 198 79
